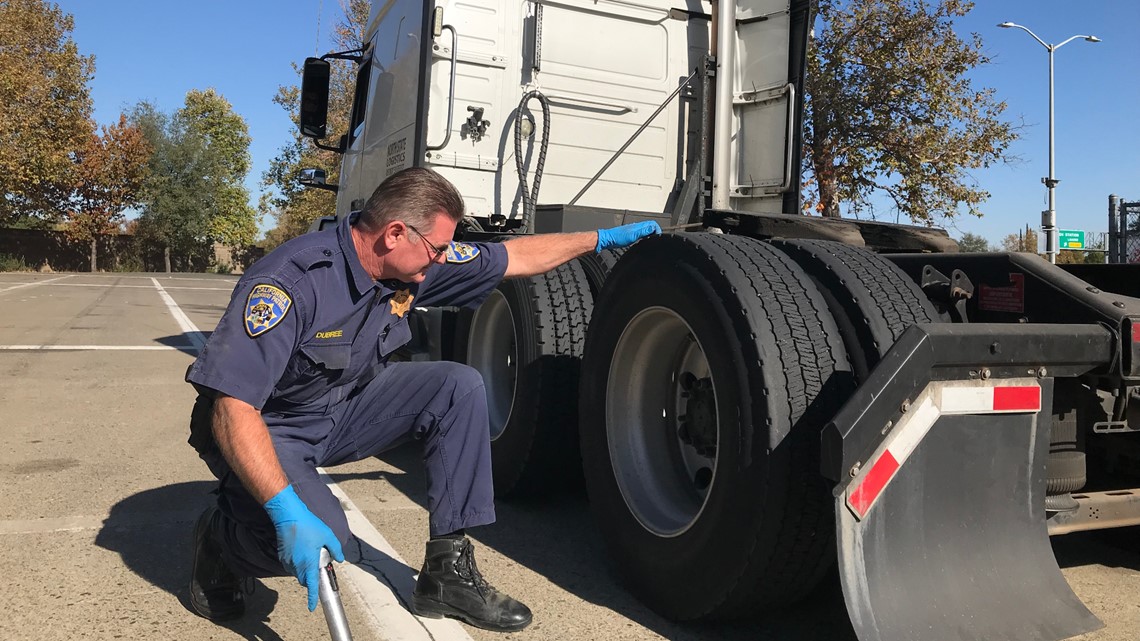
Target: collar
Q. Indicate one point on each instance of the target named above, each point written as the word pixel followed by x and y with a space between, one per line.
pixel 360 278
pixel 389 287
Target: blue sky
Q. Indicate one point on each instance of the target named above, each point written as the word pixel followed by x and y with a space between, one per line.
pixel 1096 98
pixel 157 51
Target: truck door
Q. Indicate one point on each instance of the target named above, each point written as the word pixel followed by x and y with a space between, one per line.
pixel 484 40
pixel 396 31
pixel 354 192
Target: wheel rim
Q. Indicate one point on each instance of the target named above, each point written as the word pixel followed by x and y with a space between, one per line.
pixel 491 350
pixel 661 422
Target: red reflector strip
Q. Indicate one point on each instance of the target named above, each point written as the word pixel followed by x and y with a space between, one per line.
pixel 1017 399
pixel 1136 331
pixel 869 488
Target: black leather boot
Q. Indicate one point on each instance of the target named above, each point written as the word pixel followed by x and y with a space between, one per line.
pixel 215 592
pixel 450 585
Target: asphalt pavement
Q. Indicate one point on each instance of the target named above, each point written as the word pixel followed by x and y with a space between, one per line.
pixel 100 492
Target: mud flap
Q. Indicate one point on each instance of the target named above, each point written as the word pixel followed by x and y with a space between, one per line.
pixel 942 532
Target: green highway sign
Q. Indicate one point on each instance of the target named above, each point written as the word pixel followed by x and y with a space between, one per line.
pixel 1070 239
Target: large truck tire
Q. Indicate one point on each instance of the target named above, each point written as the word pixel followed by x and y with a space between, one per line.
pixel 527 341
pixel 711 366
pixel 599 265
pixel 871 298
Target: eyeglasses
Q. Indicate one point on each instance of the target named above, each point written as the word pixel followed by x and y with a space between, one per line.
pixel 436 252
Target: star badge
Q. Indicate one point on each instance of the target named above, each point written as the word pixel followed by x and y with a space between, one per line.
pixel 260 316
pixel 401 302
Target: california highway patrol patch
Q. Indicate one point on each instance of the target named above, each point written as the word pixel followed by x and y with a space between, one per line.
pixel 461 252
pixel 266 306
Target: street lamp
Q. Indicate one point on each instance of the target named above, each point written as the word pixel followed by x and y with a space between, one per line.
pixel 1049 218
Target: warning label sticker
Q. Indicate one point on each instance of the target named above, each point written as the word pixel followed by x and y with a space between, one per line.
pixel 1003 299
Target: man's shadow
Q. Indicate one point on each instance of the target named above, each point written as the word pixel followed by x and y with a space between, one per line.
pixel 182 342
pixel 155 543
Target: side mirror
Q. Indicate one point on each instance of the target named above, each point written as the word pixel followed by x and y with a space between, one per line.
pixel 315 97
pixel 315 178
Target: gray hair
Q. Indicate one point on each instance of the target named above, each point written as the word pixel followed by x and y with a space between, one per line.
pixel 414 196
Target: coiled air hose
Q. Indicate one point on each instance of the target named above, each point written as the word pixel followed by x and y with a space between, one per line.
pixel 531 198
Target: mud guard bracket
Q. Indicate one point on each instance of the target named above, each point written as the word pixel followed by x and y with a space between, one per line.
pixel 939 352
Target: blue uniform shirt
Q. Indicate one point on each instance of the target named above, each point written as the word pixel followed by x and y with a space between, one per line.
pixel 307 325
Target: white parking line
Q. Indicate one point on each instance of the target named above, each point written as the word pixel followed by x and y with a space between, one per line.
pixel 86 348
pixel 201 289
pixel 172 278
pixel 205 289
pixel 91 522
pixel 33 284
pixel 381 580
pixel 188 326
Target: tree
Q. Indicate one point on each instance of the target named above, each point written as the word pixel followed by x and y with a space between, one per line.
pixel 973 243
pixel 208 115
pixel 293 206
pixel 110 172
pixel 194 195
pixel 1022 241
pixel 46 107
pixel 173 215
pixel 889 109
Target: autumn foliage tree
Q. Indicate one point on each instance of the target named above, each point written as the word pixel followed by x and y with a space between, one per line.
pixel 1026 241
pixel 292 205
pixel 890 110
pixel 109 176
pixel 1022 241
pixel 46 110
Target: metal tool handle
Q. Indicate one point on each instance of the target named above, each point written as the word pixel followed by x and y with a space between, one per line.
pixel 330 600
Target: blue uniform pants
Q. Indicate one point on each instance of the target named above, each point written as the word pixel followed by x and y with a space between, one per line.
pixel 441 404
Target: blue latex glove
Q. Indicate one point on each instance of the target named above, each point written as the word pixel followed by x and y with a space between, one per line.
pixel 626 235
pixel 300 537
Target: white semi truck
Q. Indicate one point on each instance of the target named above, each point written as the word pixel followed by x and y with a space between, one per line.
pixel 760 395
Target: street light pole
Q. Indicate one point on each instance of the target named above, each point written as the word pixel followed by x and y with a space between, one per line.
pixel 1049 217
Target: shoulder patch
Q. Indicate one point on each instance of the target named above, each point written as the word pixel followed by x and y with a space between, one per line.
pixel 461 252
pixel 265 308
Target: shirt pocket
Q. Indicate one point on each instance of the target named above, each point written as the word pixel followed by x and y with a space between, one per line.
pixel 396 336
pixel 312 373
pixel 313 369
pixel 328 357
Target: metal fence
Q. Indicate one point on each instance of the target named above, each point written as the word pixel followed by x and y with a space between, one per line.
pixel 1123 230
